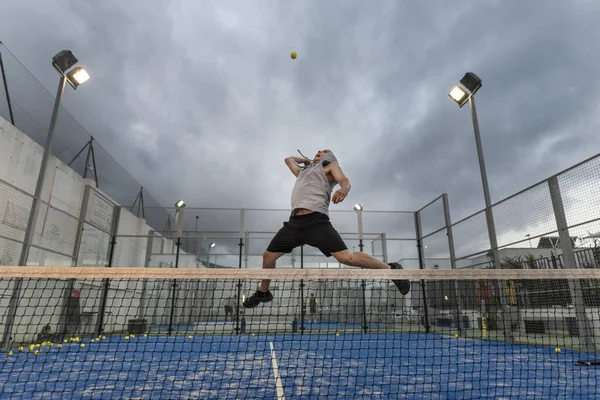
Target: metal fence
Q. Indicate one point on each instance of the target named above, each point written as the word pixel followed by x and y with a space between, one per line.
pixel 114 222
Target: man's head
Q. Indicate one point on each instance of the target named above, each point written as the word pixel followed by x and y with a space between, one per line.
pixel 320 154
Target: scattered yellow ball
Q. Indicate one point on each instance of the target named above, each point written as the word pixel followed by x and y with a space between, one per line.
pixel 36 352
pixel 37 345
pixel 92 341
pixel 293 55
pixel 82 345
pixel 126 337
pixel 145 335
pixel 456 335
pixel 20 348
pixel 557 350
pixel 103 337
pixel 190 336
pixel 10 353
pixel 132 336
pixel 65 341
pixel 59 345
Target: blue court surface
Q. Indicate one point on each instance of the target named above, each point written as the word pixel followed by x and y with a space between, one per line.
pixel 378 366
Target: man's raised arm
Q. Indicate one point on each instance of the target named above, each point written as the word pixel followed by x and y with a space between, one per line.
pixel 294 163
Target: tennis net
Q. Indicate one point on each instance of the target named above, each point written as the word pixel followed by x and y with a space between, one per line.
pixel 327 333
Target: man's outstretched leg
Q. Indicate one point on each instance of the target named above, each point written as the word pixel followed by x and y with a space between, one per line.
pixel 263 295
pixel 364 260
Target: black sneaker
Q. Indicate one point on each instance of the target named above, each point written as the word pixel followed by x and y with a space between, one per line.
pixel 402 285
pixel 257 298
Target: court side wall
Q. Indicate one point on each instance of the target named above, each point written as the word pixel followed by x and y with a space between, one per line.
pixel 55 239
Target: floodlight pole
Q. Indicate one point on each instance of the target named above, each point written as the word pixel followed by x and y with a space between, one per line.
pixel 33 214
pixel 489 216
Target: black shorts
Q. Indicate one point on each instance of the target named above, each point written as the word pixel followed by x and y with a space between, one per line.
pixel 313 229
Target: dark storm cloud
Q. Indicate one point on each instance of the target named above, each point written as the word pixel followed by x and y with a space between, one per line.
pixel 200 100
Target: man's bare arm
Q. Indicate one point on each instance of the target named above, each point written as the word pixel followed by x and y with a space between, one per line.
pixel 293 164
pixel 342 180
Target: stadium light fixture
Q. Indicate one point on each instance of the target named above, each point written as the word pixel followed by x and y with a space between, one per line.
pixel 180 204
pixel 213 244
pixel 63 62
pixel 78 76
pixel 470 82
pixel 358 207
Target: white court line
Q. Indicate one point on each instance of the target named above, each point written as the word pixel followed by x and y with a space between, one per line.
pixel 278 384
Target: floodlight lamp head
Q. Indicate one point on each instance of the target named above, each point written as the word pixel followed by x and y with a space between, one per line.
pixel 213 244
pixel 63 61
pixel 180 204
pixel 358 207
pixel 77 76
pixel 459 95
pixel 471 82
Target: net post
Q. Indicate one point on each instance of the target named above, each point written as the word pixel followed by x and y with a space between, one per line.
pixel 452 261
pixel 419 235
pixel 111 256
pixel 585 332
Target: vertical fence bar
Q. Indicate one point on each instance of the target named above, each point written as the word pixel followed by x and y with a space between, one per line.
pixel 585 332
pixel 239 284
pixel 75 260
pixel 4 80
pixel 111 256
pixel 421 266
pixel 448 222
pixel 141 310
pixel 384 247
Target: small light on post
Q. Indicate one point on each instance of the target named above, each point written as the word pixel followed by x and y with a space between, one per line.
pixel 359 208
pixel 212 245
pixel 472 83
pixel 179 206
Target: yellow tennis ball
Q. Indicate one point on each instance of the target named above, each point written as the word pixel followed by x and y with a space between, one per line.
pixel 557 350
pixel 293 55
pixel 10 353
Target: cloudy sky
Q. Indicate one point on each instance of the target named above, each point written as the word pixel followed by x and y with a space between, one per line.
pixel 200 99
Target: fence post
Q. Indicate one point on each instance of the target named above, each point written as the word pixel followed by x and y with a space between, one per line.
pixel 585 332
pixel 239 284
pixel 141 309
pixel 4 80
pixel 75 260
pixel 452 260
pixel 111 255
pixel 419 235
